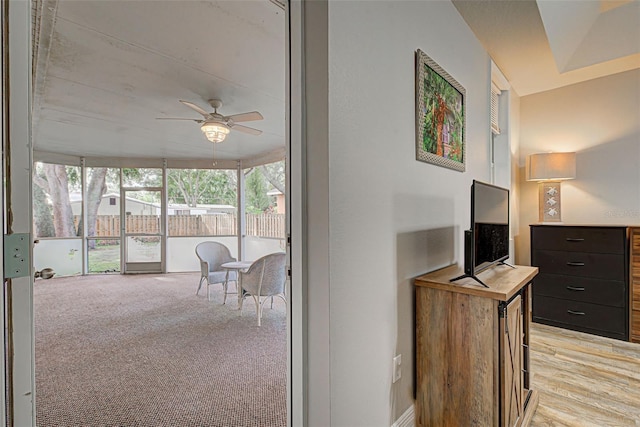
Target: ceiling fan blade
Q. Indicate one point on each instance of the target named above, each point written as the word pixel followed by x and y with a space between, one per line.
pixel 179 118
pixel 246 129
pixel 196 108
pixel 246 117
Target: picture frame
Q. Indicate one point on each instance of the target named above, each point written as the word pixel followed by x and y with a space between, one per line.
pixel 440 115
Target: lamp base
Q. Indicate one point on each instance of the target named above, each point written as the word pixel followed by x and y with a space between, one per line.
pixel 549 206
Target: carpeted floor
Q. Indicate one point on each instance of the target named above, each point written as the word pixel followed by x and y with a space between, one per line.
pixel 144 350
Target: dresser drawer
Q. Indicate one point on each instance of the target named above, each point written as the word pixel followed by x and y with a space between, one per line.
pixel 601 266
pixel 610 240
pixel 635 296
pixel 597 291
pixel 635 241
pixel 583 315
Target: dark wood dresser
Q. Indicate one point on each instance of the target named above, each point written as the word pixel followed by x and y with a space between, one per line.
pixel 634 263
pixel 583 283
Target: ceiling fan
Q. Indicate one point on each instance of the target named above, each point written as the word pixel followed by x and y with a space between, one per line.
pixel 215 126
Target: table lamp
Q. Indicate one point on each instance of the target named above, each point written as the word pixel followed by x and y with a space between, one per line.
pixel 550 169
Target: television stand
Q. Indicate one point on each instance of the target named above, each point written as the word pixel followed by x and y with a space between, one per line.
pixel 471 276
pixel 464 276
pixel 472 351
pixel 507 264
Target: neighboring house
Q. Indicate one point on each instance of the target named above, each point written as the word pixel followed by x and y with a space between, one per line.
pixel 181 209
pixel 280 203
pixel 110 205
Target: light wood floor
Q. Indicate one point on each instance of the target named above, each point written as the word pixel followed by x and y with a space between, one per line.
pixel 584 380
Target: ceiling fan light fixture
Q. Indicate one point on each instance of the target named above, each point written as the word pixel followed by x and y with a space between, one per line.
pixel 215 131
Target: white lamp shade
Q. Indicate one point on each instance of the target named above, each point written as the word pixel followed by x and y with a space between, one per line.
pixel 551 166
pixel 214 131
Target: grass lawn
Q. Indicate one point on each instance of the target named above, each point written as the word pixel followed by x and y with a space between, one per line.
pixel 104 259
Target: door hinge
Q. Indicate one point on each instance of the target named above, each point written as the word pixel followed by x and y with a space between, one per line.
pixel 503 313
pixel 17 262
pixel 502 308
pixel 289 272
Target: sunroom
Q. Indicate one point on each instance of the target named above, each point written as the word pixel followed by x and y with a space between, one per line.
pixel 155 128
pixel 123 113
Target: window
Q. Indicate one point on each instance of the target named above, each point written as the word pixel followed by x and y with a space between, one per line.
pixel 495 109
pixel 60 186
pixel 204 191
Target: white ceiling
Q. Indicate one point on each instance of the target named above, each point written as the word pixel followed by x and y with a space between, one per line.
pixel 107 69
pixel 546 44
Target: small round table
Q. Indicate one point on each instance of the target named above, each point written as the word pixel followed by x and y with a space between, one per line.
pixel 237 266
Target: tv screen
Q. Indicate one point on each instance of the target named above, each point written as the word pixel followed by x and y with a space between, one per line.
pixel 489 224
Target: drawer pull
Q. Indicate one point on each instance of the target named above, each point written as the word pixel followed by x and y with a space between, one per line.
pixel 575 264
pixel 575 288
pixel 576 313
pixel 574 239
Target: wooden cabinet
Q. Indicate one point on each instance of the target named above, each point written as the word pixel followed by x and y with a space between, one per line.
pixel 634 268
pixel 472 363
pixel 511 361
pixel 583 280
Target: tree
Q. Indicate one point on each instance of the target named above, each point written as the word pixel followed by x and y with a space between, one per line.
pixel 442 106
pixel 96 188
pixel 195 186
pixel 54 181
pixel 142 177
pixel 275 174
pixel 42 215
pixel 256 192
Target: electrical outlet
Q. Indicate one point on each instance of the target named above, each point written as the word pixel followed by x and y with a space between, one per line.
pixel 397 368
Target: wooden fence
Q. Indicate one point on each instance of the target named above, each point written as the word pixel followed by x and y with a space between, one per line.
pixel 260 225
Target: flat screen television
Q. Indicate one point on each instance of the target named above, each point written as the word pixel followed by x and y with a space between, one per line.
pixel 487 241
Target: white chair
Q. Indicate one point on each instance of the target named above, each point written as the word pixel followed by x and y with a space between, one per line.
pixel 212 255
pixel 264 280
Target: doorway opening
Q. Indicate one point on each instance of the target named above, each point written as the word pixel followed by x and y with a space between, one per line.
pixel 104 74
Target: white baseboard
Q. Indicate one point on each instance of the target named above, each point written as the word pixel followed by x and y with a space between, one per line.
pixel 408 419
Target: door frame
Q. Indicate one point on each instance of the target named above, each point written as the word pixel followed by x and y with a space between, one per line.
pixel 17 212
pixel 143 267
pixel 21 370
pixel 3 114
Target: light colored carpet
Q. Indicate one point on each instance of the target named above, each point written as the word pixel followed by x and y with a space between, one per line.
pixel 144 350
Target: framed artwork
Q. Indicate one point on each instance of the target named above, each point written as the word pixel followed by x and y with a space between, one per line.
pixel 440 115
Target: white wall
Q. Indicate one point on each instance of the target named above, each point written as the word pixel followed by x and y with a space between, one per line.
pixel 600 121
pixel 391 218
pixel 63 255
pixel 106 208
pixel 181 255
pixel 514 132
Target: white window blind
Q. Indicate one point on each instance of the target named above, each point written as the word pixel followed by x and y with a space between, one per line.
pixel 495 109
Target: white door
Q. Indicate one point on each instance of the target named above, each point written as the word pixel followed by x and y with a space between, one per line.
pixel 16 136
pixel 143 231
